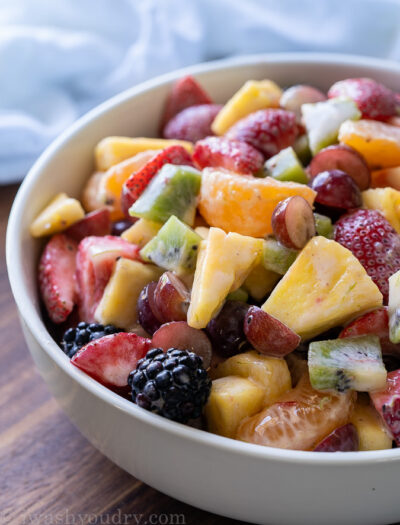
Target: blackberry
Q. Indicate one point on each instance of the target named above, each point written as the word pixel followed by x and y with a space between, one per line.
pixel 74 338
pixel 173 384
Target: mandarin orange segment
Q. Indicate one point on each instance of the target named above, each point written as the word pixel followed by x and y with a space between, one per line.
pixel 300 418
pixel 389 177
pixel 378 142
pixel 90 197
pixel 243 203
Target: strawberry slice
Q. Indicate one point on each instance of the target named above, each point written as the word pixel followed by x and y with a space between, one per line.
pixel 370 237
pixel 193 123
pixel 184 93
pixel 94 264
pixel 342 439
pixel 268 130
pixel 111 358
pixel 57 277
pixel 374 323
pixel 374 100
pixel 138 181
pixel 233 155
pixel 387 403
pixel 97 222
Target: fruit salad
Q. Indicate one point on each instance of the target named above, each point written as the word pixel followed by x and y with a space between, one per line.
pixel 241 272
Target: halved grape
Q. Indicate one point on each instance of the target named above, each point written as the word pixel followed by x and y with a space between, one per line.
pixel 293 222
pixel 119 227
pixel 342 439
pixel 295 96
pixel 336 189
pixel 147 309
pixel 172 298
pixel 178 334
pixel 226 329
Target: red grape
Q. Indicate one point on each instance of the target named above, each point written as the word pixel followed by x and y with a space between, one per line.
pixel 342 439
pixel 226 329
pixel 293 222
pixel 344 158
pixel 148 316
pixel 172 298
pixel 119 227
pixel 268 335
pixel 336 189
pixel 179 334
pixel 295 96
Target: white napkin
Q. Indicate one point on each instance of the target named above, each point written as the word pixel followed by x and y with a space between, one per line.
pixel 59 58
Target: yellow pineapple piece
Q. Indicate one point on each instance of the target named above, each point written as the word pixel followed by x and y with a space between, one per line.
pixel 113 150
pixel 260 281
pixel 203 231
pixel 141 232
pixel 118 305
pixel 232 399
pixel 326 286
pixel 378 142
pixel 385 200
pixel 370 427
pixel 57 216
pixel 252 96
pixel 223 263
pixel 270 373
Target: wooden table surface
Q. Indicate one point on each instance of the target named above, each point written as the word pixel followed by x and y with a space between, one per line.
pixel 49 473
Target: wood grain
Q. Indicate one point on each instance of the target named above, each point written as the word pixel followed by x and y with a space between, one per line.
pixel 49 473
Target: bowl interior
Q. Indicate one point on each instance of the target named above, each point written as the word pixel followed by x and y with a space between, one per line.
pixel 67 163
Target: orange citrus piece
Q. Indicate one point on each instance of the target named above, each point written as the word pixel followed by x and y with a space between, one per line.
pixel 386 177
pixel 243 203
pixel 90 195
pixel 299 420
pixel 378 142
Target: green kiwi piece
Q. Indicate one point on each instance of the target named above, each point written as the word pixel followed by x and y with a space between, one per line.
pixel 302 149
pixel 172 191
pixel 286 167
pixel 238 295
pixel 174 248
pixel 350 363
pixel 323 225
pixel 277 257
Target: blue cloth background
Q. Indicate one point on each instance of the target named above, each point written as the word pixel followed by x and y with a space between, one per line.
pixel 59 58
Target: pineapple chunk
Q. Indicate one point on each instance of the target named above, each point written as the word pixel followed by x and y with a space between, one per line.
pixel 118 305
pixel 371 430
pixel 232 399
pixel 385 200
pixel 252 96
pixel 326 286
pixel 141 232
pixel 112 150
pixel 62 212
pixel 260 281
pixel 203 231
pixel 223 263
pixel 270 373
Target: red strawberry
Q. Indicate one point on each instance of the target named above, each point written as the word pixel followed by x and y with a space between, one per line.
pixel 375 323
pixel 268 130
pixel 374 100
pixel 57 277
pixel 220 152
pixel 94 265
pixel 97 222
pixel 193 123
pixel 184 93
pixel 387 403
pixel 138 181
pixel 369 236
pixel 342 439
pixel 111 358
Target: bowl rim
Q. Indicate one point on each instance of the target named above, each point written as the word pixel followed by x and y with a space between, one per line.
pixel 33 320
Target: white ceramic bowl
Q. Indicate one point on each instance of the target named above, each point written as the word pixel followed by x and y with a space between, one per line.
pixel 239 480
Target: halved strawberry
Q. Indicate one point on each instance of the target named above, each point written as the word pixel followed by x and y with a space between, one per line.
pixel 299 420
pixel 97 222
pixel 374 100
pixel 111 358
pixel 268 130
pixel 94 264
pixel 233 155
pixel 193 123
pixel 184 93
pixel 387 403
pixel 56 276
pixel 138 181
pixel 374 323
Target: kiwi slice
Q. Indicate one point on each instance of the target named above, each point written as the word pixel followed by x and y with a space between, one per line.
pixel 172 191
pixel 350 363
pixel 277 257
pixel 174 247
pixel 323 225
pixel 238 295
pixel 286 167
pixel 394 308
pixel 301 147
